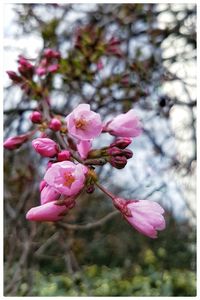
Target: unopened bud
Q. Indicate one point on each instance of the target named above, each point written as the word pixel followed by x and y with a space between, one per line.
pixel 36 117
pixel 90 189
pixel 53 68
pixel 114 151
pixel 64 155
pixel 121 143
pixel 127 153
pixel 25 68
pixel 55 124
pixel 118 162
pixel 14 77
pixel 16 141
pixel 45 147
pixel 50 53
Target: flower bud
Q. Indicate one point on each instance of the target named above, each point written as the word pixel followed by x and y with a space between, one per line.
pixel 118 162
pixel 16 141
pixel 64 155
pixel 121 143
pixel 114 151
pixel 127 153
pixel 25 68
pixel 144 215
pixel 53 68
pixel 50 53
pixel 14 77
pixel 45 147
pixel 36 117
pixel 55 124
pixel 90 189
pixel 124 125
pixel 49 211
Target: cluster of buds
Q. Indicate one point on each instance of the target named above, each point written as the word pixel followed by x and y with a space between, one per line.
pixel 72 163
pixel 48 64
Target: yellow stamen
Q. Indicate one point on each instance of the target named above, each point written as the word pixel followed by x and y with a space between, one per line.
pixel 69 179
pixel 81 123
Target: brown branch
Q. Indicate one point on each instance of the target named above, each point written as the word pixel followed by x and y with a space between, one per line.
pixel 89 226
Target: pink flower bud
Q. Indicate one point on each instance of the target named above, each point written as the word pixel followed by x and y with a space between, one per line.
pixel 121 143
pixel 90 189
pixel 48 212
pixel 124 125
pixel 25 68
pixel 64 155
pixel 48 194
pixel 144 215
pixel 50 53
pixel 66 177
pixel 41 71
pixel 14 77
pixel 114 151
pixel 55 124
pixel 45 147
pixel 127 153
pixel 16 141
pixel 53 68
pixel 118 162
pixel 36 117
pixel 84 124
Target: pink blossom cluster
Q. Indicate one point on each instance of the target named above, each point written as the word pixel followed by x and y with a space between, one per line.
pixel 72 160
pixel 49 63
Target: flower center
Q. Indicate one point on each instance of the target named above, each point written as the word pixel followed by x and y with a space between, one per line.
pixel 80 123
pixel 68 179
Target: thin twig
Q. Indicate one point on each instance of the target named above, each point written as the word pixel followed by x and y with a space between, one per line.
pixel 89 226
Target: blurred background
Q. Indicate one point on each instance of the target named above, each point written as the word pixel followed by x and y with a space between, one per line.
pixel 115 57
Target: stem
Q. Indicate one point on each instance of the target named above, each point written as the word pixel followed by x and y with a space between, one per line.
pixel 105 191
pixel 58 134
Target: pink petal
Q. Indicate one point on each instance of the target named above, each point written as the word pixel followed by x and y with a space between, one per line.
pixel 83 148
pixel 46 212
pixel 48 194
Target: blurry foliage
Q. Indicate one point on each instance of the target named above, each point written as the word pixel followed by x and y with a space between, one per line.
pixel 112 260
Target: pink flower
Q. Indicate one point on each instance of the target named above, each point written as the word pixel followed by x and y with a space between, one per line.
pixel 124 125
pixel 45 147
pixel 66 177
pixel 55 124
pixel 83 123
pixel 16 141
pixel 83 148
pixel 48 194
pixel 144 215
pixel 51 211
